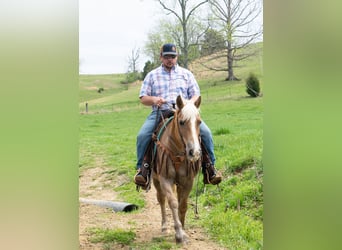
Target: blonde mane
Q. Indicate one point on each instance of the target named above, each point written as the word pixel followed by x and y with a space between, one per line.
pixel 189 111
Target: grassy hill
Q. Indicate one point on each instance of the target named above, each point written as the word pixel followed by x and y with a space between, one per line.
pixel 232 214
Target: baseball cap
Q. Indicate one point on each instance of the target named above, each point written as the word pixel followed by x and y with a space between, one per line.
pixel 168 49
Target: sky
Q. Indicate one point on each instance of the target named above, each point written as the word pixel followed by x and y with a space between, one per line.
pixel 109 30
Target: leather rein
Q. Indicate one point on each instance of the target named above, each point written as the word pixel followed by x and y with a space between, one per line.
pixel 176 158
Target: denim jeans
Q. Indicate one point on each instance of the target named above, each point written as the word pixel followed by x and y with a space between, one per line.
pixel 145 134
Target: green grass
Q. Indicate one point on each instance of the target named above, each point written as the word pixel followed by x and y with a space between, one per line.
pixel 233 215
pixel 90 84
pixel 108 236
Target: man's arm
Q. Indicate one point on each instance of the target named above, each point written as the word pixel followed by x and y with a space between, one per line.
pixel 152 100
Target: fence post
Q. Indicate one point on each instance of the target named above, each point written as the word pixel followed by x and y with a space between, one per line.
pixel 86 107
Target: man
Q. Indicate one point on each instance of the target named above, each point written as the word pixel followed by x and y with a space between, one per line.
pixel 160 89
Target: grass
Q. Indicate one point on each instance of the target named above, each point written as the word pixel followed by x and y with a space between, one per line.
pixel 90 84
pixel 232 216
pixel 107 235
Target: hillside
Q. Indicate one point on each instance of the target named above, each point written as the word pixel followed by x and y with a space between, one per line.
pixel 118 95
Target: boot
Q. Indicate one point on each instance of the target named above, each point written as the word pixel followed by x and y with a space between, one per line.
pixel 210 175
pixel 141 178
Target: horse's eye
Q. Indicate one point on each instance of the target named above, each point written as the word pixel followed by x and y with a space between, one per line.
pixel 182 123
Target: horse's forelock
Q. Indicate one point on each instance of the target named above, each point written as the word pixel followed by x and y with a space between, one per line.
pixel 189 111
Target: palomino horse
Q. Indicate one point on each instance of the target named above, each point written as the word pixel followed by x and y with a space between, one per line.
pixel 177 162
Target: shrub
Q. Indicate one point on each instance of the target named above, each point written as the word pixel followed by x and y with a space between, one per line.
pixel 252 85
pixel 131 77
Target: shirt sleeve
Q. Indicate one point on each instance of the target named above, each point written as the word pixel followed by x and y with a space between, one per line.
pixel 146 89
pixel 193 88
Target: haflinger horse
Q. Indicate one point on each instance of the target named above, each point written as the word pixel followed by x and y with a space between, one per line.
pixel 177 162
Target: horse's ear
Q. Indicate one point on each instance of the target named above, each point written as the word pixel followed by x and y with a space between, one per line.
pixel 179 101
pixel 198 102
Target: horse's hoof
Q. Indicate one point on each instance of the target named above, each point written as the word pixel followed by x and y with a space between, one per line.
pixel 182 239
pixel 179 240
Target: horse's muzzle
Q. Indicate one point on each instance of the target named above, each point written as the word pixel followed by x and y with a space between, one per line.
pixel 194 154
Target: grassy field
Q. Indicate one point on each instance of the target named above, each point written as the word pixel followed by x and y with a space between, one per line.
pixel 233 214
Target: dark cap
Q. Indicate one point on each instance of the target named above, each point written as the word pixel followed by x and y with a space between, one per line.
pixel 168 49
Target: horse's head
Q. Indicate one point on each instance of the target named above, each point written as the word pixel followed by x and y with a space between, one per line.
pixel 189 121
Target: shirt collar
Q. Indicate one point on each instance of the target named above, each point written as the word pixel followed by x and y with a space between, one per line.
pixel 174 68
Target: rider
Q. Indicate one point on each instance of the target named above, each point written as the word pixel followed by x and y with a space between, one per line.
pixel 160 88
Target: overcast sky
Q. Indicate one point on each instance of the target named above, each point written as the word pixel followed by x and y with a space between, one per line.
pixel 109 30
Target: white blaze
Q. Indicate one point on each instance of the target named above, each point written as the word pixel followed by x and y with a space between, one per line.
pixel 190 113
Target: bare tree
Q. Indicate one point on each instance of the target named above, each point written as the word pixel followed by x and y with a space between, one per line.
pixel 183 11
pixel 132 72
pixel 133 60
pixel 235 19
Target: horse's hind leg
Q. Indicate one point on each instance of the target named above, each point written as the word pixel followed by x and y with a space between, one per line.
pixel 161 200
pixel 167 187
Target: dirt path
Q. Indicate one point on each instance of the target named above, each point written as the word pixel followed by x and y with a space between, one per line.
pixel 95 183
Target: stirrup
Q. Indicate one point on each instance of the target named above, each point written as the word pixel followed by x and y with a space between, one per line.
pixel 144 185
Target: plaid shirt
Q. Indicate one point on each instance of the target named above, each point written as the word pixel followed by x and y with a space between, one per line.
pixel 169 85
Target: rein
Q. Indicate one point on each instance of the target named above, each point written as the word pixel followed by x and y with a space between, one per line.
pixel 176 159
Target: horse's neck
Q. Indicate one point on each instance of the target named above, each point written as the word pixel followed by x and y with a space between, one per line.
pixel 172 136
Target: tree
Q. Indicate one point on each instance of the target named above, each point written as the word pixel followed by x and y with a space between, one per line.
pixel 133 74
pixel 148 67
pixel 183 13
pixel 235 19
pixel 167 31
pixel 133 60
pixel 213 41
pixel 154 42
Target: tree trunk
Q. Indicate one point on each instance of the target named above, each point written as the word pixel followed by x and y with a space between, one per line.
pixel 185 35
pixel 185 47
pixel 230 61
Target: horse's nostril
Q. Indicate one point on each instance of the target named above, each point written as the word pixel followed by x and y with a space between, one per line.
pixel 191 152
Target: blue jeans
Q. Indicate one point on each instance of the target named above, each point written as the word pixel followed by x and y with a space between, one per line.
pixel 145 135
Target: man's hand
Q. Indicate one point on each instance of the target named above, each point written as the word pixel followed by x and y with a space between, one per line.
pixel 158 101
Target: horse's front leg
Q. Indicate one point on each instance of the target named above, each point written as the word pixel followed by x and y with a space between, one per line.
pixel 183 194
pixel 161 201
pixel 167 186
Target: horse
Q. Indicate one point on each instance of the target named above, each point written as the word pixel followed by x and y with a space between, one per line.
pixel 177 162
